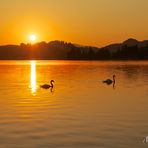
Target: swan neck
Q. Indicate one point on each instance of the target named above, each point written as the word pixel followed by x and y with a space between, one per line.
pixel 51 84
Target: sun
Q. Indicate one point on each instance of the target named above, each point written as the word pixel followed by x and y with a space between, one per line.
pixel 32 37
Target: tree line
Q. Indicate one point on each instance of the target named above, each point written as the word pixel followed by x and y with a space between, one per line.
pixel 60 50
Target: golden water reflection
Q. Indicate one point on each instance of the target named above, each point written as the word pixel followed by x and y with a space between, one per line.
pixel 93 112
pixel 33 76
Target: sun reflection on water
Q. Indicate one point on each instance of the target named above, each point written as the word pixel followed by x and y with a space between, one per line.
pixel 33 76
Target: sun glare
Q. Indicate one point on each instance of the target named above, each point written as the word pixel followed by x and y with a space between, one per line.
pixel 32 38
pixel 33 76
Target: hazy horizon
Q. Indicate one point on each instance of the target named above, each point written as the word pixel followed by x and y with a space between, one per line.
pixel 85 22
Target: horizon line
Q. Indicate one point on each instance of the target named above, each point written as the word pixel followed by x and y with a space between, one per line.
pixel 76 44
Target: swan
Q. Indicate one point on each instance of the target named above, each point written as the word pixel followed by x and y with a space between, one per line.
pixel 109 81
pixel 47 86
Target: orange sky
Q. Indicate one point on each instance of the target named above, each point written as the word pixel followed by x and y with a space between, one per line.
pixel 86 22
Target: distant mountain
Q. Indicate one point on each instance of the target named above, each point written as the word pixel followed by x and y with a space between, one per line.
pixel 130 49
pixel 113 48
pixel 130 42
pixel 143 44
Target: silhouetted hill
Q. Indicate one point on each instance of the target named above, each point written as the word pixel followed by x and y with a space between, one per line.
pixel 130 49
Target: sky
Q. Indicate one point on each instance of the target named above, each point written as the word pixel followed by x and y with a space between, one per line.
pixel 85 22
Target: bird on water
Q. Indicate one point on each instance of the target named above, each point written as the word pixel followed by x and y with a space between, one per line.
pixel 109 81
pixel 47 86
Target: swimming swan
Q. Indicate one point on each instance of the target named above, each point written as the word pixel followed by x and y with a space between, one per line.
pixel 109 81
pixel 47 86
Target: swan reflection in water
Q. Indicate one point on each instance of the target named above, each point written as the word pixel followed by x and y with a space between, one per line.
pixel 52 90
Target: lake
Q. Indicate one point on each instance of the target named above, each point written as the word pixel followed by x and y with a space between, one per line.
pixel 80 111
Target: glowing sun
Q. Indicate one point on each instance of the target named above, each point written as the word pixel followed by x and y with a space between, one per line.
pixel 32 38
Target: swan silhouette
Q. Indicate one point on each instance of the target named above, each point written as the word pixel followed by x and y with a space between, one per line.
pixel 109 81
pixel 47 86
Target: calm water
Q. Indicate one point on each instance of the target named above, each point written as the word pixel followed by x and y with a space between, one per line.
pixel 80 112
